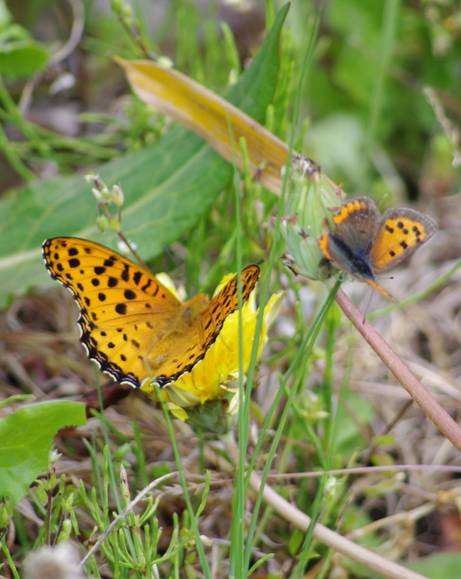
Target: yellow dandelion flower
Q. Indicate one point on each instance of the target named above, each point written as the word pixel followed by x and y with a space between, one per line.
pixel 215 377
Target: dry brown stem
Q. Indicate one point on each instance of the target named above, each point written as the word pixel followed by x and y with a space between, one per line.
pixel 402 372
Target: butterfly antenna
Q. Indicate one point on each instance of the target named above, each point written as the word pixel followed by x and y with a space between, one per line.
pixel 367 306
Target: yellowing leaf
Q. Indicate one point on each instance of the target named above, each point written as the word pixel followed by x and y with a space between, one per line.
pixel 218 121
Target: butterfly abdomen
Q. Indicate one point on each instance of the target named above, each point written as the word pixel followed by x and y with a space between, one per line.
pixel 358 261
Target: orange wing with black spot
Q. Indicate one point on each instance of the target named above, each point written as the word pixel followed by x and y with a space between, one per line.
pixel 122 305
pixel 400 233
pixel 132 325
pixel 350 234
pixel 225 302
pixel 361 242
pixel 188 349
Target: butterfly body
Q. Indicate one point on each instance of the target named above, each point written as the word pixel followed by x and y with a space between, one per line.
pixel 131 324
pixel 364 243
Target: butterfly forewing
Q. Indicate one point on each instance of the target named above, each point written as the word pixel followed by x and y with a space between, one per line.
pixel 356 222
pixel 400 233
pixel 225 302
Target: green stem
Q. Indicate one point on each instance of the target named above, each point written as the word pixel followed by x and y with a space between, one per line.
pixel 15 161
pixel 17 118
pixel 303 352
pixel 9 560
pixel 390 17
pixel 306 550
pixel 183 482
pixel 238 520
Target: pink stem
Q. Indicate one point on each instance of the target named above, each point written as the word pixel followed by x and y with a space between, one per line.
pixel 402 372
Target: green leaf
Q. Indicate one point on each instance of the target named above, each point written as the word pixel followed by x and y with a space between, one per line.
pixel 5 16
pixel 20 55
pixel 167 186
pixel 349 426
pixel 446 565
pixel 24 60
pixel 27 435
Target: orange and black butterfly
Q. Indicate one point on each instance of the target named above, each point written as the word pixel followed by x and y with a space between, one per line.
pixel 364 243
pixel 132 325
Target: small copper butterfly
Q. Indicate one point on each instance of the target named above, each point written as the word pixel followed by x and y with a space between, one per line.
pixel 364 243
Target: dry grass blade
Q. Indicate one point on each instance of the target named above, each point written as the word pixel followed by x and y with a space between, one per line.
pixel 332 539
pixel 322 534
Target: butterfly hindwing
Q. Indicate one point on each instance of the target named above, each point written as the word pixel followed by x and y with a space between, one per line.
pixel 400 233
pixel 209 325
pixel 347 244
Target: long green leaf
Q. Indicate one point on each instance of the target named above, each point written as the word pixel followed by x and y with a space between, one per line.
pixel 167 186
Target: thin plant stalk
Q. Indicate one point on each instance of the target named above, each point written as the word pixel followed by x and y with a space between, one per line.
pixel 390 23
pixel 239 497
pixel 306 62
pixel 183 482
pixel 303 353
pixel 306 549
pixel 128 509
pixel 244 553
pixel 440 282
pixel 325 453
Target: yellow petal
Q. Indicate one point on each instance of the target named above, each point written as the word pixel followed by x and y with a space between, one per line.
pixel 166 280
pixel 177 411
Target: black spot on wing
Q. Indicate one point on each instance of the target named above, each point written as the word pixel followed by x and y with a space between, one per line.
pixel 129 294
pixel 107 366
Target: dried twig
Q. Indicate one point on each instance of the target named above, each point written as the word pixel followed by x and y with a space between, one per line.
pixel 321 533
pixel 145 491
pixel 330 538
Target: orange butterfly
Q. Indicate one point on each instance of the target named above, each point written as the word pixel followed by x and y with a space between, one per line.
pixel 131 324
pixel 364 243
